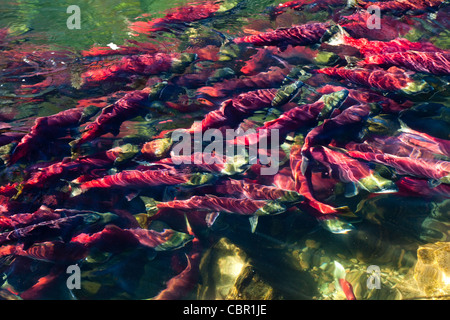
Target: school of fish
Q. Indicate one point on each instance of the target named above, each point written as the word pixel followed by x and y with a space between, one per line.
pixel 80 183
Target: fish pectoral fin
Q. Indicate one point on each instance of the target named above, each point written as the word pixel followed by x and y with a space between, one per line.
pixel 115 130
pixel 282 46
pixel 27 244
pixel 253 223
pixel 66 236
pixel 351 190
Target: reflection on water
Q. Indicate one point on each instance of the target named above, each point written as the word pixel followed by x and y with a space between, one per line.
pixel 84 187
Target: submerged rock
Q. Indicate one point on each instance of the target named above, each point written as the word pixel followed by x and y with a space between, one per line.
pixel 250 286
pixel 228 273
pixel 432 271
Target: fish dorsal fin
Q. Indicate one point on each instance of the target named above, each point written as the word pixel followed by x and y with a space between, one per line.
pixel 211 218
pixel 132 194
pixel 44 208
pixel 404 127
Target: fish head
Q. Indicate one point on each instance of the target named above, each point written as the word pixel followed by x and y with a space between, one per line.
pixel 296 73
pixel 125 152
pixel 271 208
pixel 377 184
pixel 327 58
pixel 382 125
pixel 156 89
pixel 150 205
pixel 336 98
pixel 417 87
pixel 336 225
pixel 330 33
pixel 157 148
pixel 184 61
pixel 229 51
pixel 236 164
pixel 228 5
pixel 286 93
pixel 221 74
pixel 91 218
pixel 97 217
pixel 445 179
pixel 332 101
pixel 291 197
pixel 174 240
pixel 201 178
pixel 142 219
pixel 88 113
pixel 339 271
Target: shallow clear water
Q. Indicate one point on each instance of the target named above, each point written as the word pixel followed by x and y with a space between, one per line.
pixel 290 255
